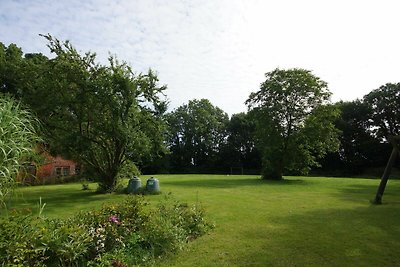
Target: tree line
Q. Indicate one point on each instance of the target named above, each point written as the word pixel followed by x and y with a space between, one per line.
pixel 108 116
pixel 290 129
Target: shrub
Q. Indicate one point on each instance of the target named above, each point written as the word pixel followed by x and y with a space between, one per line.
pixel 128 170
pixel 188 218
pixel 122 234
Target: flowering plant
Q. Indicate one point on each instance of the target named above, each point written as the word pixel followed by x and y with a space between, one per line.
pixel 114 219
pixel 103 237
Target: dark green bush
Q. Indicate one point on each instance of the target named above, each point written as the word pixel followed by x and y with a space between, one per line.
pixel 122 234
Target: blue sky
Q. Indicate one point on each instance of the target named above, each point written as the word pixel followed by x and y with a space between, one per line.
pixel 220 49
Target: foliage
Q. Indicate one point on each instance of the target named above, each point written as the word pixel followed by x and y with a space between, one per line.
pixel 124 233
pixel 98 115
pixel 85 184
pixel 356 140
pixel 240 148
pixel 366 125
pixel 33 241
pixel 19 71
pixel 317 137
pixel 128 170
pixel 359 148
pixel 384 107
pixel 10 74
pixel 17 139
pixel 293 124
pixel 197 131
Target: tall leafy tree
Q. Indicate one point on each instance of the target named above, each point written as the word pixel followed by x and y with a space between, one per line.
pixel 99 115
pixel 18 70
pixel 10 71
pixel 197 132
pixel 294 124
pixel 384 110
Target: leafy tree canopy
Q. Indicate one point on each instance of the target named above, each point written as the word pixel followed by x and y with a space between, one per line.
pixel 359 149
pixel 240 148
pixel 99 115
pixel 294 122
pixel 384 110
pixel 197 131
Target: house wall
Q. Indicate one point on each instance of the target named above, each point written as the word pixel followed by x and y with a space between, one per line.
pixel 54 169
pixel 62 167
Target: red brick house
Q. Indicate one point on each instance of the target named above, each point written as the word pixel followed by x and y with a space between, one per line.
pixel 53 170
pixel 57 167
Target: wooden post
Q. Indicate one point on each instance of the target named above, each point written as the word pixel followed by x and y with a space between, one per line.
pixel 388 169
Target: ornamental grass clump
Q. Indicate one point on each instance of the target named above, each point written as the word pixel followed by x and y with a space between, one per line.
pixel 18 137
pixel 123 234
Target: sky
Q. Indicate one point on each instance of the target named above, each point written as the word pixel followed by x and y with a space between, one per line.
pixel 221 49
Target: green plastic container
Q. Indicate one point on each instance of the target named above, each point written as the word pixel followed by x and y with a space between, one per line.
pixel 134 185
pixel 152 185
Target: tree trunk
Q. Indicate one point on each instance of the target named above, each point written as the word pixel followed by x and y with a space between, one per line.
pixel 385 175
pixel 108 182
pixel 272 174
pixel 274 169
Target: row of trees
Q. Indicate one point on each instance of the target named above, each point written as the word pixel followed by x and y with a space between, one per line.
pixel 290 128
pixel 202 139
pixel 104 116
pixel 365 126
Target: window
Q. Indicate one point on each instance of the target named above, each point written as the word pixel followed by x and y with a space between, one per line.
pixel 65 171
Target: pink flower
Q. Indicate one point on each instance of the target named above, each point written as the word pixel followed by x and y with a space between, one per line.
pixel 113 219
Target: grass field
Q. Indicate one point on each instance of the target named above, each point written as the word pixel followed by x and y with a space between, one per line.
pixel 300 221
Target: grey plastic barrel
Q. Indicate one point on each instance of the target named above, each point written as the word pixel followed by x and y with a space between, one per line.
pixel 152 185
pixel 134 185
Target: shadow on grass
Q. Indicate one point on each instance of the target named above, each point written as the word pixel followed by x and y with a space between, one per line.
pixel 356 192
pixel 232 182
pixel 366 236
pixel 58 199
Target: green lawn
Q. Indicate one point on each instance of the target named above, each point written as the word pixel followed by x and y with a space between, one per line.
pixel 296 222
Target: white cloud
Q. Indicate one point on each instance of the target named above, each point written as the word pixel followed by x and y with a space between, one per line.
pixel 220 49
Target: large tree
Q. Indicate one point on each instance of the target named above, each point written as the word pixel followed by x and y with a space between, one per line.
pixel 197 132
pixel 294 122
pixel 384 110
pixel 18 70
pixel 99 115
pixel 10 61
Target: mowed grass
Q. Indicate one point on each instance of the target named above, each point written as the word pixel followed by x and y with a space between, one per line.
pixel 301 221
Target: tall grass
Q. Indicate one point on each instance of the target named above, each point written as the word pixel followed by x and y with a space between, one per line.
pixel 17 139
